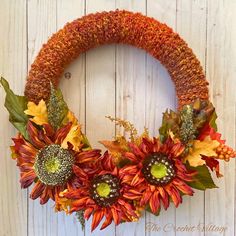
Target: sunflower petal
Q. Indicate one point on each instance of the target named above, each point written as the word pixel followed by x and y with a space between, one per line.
pixel 183 187
pixel 115 215
pixel 174 194
pixel 34 134
pixel 164 197
pixel 107 222
pixel 88 212
pixel 62 133
pixel 37 190
pixel 80 173
pixel 45 196
pixel 27 178
pixel 145 198
pixel 154 202
pixel 97 217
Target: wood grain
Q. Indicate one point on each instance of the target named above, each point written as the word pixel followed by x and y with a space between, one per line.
pixel 190 213
pixel 130 95
pixel 221 72
pixel 13 66
pixel 73 86
pixel 100 96
pixel 42 22
pixel 124 82
pixel 160 96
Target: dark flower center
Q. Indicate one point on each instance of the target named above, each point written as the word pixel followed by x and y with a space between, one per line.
pixel 53 165
pixel 158 169
pixel 105 189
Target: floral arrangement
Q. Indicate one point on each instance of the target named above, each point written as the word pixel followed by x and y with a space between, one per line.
pixel 136 172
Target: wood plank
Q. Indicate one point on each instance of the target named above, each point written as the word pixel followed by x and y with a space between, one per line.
pixel 194 33
pixel 13 67
pixel 73 88
pixel 160 96
pixel 221 64
pixel 130 96
pixel 44 18
pixel 100 96
pixel 41 24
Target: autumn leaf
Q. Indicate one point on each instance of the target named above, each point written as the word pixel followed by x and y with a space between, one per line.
pixel 70 117
pixel 112 146
pixel 74 137
pixel 170 121
pixel 38 112
pixel 16 105
pixel 214 165
pixel 116 149
pixel 202 180
pixel 207 147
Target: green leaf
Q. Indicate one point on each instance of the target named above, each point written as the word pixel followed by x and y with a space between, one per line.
pixel 16 105
pixel 86 143
pixel 57 108
pixel 203 113
pixel 203 179
pixel 170 121
pixel 212 121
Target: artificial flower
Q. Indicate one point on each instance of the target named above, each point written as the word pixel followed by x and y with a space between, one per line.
pixel 102 194
pixel 45 164
pixel 157 172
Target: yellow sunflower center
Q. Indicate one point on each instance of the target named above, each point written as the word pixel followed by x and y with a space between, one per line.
pixel 52 165
pixel 103 189
pixel 159 170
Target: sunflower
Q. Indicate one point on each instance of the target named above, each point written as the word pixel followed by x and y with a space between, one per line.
pixel 158 172
pixel 46 163
pixel 102 194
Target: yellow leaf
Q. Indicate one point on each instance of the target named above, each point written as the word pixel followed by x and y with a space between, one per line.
pixel 39 112
pixel 207 147
pixel 74 137
pixel 70 117
pixel 172 136
pixel 116 148
pixel 112 146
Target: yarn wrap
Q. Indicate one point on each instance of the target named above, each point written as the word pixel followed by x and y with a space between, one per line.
pixel 125 27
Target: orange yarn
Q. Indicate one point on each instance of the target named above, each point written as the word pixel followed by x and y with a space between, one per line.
pixel 118 27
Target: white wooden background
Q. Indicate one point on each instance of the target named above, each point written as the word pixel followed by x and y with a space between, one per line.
pixel 125 82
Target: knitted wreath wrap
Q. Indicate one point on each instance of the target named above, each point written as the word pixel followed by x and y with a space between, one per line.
pixel 137 172
pixel 118 27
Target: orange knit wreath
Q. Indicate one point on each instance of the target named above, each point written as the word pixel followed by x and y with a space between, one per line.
pixel 137 172
pixel 118 27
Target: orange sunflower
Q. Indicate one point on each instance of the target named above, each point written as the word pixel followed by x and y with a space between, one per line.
pixel 44 162
pixel 102 194
pixel 158 172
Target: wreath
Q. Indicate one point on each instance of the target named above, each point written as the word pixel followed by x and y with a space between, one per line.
pixel 137 172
